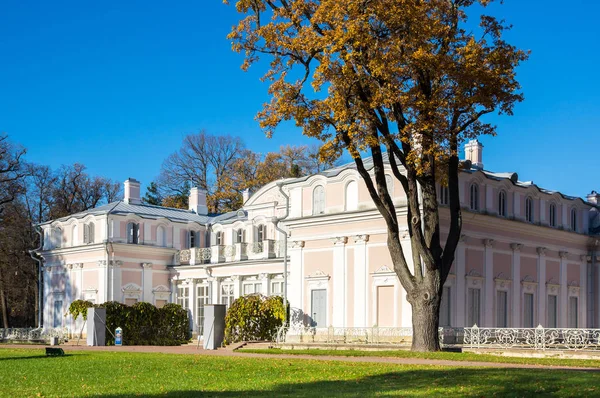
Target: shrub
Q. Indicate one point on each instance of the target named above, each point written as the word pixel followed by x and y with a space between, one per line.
pixel 254 317
pixel 142 323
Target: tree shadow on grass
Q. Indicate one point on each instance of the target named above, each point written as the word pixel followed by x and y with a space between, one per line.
pixel 40 356
pixel 480 382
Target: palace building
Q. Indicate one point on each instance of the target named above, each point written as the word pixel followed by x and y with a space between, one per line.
pixel 526 256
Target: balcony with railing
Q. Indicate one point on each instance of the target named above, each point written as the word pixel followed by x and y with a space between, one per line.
pixel 266 249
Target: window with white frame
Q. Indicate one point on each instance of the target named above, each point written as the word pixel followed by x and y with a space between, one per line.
pixel 183 296
pixel 501 309
pixel 573 312
pixel 552 311
pixel 318 200
pixel 276 287
pixel 473 307
pixel 193 239
pixel 219 237
pixel 574 220
pixel 57 237
pixel 261 233
pixel 251 287
pixel 89 233
pixel 444 196
pixel 528 310
pixel 474 203
pixel 227 296
pixel 445 307
pixel 552 215
pixel 351 202
pixel 133 233
pixel 239 236
pixel 529 209
pixel 207 239
pixel 201 301
pixel 502 204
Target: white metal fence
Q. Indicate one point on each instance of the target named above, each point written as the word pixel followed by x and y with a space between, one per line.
pixel 532 338
pixel 31 334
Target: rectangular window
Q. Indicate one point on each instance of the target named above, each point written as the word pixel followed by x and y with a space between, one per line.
pixel 528 310
pixel 552 311
pixel 445 308
pixel 201 300
pixel 573 311
pixel 501 309
pixel 473 307
pixel 252 288
pixel 183 297
pixel 276 288
pixel 227 294
pixel 58 316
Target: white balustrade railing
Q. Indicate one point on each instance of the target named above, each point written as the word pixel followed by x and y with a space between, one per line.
pixel 235 252
pixel 31 334
pixel 203 255
pixel 256 247
pixel 539 338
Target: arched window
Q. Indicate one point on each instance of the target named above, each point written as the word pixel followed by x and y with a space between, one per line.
pixel 193 242
pixel 444 196
pixel 351 196
pixel 92 233
pixel 75 235
pixel 502 204
pixel 88 233
pixel 552 215
pixel 574 220
pixel 57 237
pixel 318 200
pixel 529 209
pixel 207 239
pixel 133 233
pixel 474 204
pixel 161 236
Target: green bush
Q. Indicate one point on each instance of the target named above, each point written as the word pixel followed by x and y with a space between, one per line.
pixel 254 318
pixel 142 323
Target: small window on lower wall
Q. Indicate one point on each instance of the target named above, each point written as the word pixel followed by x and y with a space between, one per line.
pixel 130 301
pixel 573 311
pixel 160 303
pixel 445 307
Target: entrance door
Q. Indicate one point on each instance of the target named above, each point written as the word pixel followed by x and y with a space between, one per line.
pixel 318 309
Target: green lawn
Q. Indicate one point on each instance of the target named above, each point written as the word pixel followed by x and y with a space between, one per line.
pixel 27 372
pixel 450 356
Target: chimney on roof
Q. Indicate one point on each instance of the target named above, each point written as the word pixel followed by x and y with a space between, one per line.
pixel 594 198
pixel 132 191
pixel 245 195
pixel 474 153
pixel 197 201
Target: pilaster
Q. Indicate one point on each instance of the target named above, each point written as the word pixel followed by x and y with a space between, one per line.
pixel 541 269
pixel 489 283
pixel 563 292
pixel 361 278
pixel 516 284
pixel 147 282
pixel 461 295
pixel 339 281
pixel 296 282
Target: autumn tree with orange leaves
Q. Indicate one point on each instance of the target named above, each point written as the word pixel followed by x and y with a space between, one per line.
pixel 406 77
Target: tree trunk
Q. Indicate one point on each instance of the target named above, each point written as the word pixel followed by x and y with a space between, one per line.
pixel 3 304
pixel 425 319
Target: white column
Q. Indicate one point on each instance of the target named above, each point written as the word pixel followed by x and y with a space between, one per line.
pixel 489 283
pixel 264 279
pixel 147 282
pixel 47 271
pixel 295 288
pixel 516 284
pixel 339 282
pixel 361 278
pixel 102 281
pixel 564 291
pixel 541 269
pixel 461 295
pixel 583 291
pixel 192 303
pixel 173 283
pixel 237 286
pixel 116 280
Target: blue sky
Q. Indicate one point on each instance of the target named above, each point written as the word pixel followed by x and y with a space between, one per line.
pixel 117 85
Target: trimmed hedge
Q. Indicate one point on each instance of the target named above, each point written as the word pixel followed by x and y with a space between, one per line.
pixel 254 318
pixel 142 323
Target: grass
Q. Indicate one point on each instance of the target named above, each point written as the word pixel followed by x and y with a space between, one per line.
pixel 447 356
pixel 27 372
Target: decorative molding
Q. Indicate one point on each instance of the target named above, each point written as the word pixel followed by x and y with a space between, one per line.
pixel 563 254
pixel 541 251
pixel 116 264
pixel 384 270
pixel 147 265
pixel 585 258
pixel 552 287
pixel 189 281
pixel 78 265
pixel 70 266
pixel 339 240
pixel 131 288
pixel 463 238
pixel 516 246
pixel 318 275
pixel 161 289
pixel 361 238
pixel 489 243
pixel 263 276
pixel 297 244
pixel 102 263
